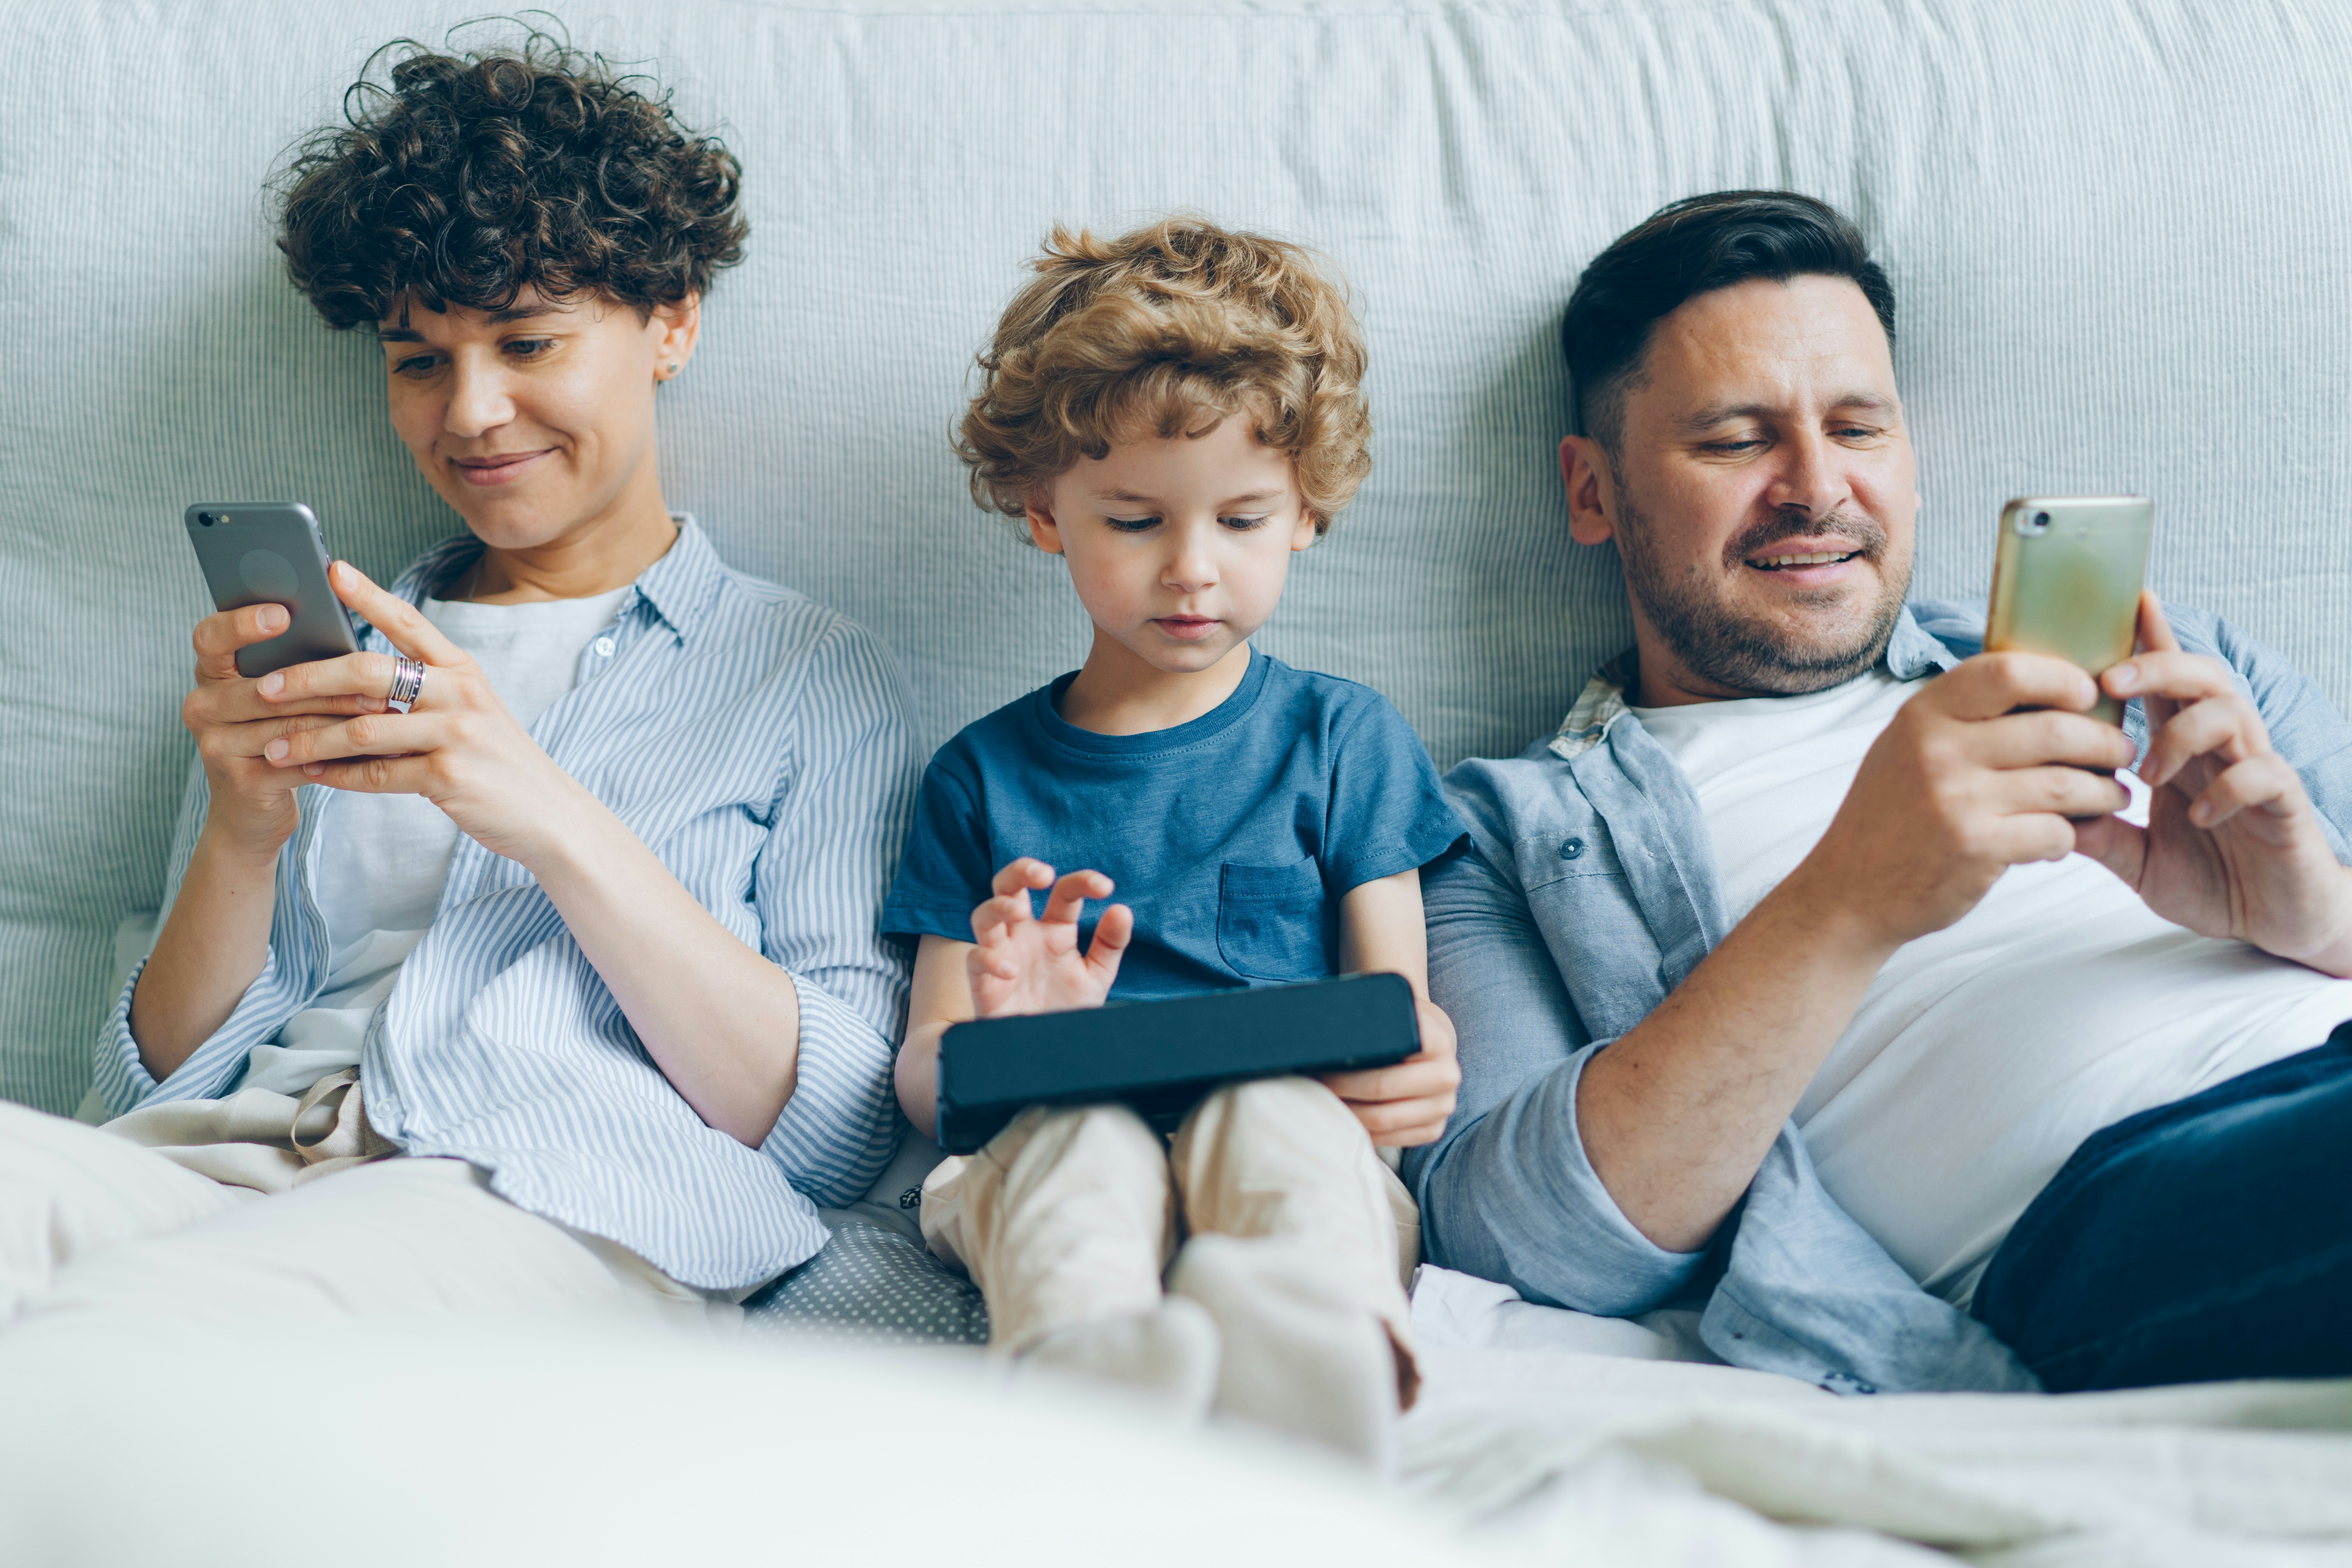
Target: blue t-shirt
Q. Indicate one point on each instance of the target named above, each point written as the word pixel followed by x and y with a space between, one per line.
pixel 1233 837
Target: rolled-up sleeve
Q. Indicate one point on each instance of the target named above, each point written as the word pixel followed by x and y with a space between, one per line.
pixel 118 1073
pixel 1508 1193
pixel 818 885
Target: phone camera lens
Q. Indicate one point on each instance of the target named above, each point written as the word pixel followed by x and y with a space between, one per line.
pixel 205 518
pixel 2042 520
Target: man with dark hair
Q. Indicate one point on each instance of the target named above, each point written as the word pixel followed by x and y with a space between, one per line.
pixel 1824 967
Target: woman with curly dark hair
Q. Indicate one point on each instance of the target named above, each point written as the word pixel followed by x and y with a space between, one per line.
pixel 563 887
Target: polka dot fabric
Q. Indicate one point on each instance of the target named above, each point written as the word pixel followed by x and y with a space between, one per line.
pixel 872 1286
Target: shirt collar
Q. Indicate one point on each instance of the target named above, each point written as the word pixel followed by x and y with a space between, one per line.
pixel 681 584
pixel 1912 653
pixel 679 587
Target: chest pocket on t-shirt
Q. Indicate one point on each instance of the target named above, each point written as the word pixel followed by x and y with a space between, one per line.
pixel 1270 920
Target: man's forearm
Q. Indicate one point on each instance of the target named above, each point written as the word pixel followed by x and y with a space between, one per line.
pixel 1678 1112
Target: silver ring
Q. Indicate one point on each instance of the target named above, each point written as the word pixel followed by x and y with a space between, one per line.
pixel 408 684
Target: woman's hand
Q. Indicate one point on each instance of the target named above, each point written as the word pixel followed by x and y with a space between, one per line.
pixel 252 805
pixel 458 746
pixel 1023 964
pixel 217 937
pixel 2232 847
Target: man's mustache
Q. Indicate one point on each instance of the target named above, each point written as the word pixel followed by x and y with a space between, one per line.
pixel 1861 532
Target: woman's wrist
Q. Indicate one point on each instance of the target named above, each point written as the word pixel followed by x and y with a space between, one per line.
pixel 570 835
pixel 234 837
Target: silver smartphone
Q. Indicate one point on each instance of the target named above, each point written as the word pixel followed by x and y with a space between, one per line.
pixel 2066 578
pixel 271 553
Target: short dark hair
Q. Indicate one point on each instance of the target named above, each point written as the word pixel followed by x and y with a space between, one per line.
pixel 1687 249
pixel 471 177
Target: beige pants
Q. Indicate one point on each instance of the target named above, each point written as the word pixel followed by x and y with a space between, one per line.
pixel 1072 1214
pixel 90 1220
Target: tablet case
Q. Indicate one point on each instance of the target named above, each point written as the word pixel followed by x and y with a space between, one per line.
pixel 1161 1057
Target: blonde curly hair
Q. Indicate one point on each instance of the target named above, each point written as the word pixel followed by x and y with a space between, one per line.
pixel 1166 331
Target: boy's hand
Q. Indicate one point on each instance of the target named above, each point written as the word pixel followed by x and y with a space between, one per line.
pixel 1026 965
pixel 1407 1105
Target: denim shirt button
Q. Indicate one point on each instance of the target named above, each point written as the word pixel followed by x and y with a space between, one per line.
pixel 1572 848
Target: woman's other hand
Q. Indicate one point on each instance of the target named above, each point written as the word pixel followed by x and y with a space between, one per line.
pixel 458 746
pixel 217 937
pixel 252 805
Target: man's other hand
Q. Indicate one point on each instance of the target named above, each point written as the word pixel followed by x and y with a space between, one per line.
pixel 2232 846
pixel 1962 786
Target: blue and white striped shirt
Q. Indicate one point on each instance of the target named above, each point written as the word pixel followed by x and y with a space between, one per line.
pixel 759 744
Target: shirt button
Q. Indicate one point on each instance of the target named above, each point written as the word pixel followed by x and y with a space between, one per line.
pixel 1570 848
pixel 604 648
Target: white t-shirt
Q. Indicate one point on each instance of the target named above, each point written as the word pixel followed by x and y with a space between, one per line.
pixel 386 856
pixel 1984 1053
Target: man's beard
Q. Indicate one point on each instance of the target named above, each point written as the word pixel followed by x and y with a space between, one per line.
pixel 1755 655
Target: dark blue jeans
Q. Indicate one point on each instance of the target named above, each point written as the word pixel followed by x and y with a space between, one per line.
pixel 2204 1239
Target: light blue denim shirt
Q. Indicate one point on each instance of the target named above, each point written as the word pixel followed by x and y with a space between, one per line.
pixel 1589 892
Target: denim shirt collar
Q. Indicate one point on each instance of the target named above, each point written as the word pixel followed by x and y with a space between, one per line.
pixel 679 587
pixel 1911 652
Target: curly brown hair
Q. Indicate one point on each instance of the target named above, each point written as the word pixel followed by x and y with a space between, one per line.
pixel 472 177
pixel 1168 330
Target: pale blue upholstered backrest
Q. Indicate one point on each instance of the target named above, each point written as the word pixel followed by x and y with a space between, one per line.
pixel 2117 229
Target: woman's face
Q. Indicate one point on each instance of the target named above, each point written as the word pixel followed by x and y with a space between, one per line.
pixel 535 422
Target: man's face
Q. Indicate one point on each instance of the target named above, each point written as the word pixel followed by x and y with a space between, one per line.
pixel 1763 493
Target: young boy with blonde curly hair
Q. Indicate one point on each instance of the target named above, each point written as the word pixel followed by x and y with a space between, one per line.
pixel 1175 413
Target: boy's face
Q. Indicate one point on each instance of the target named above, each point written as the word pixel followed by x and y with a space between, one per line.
pixel 1177 548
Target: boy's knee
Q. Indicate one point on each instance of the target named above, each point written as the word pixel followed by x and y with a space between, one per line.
pixel 1287 1098
pixel 1294 1106
pixel 1100 1134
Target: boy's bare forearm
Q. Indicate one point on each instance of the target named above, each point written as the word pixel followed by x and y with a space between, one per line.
pixel 939 998
pixel 209 952
pixel 917 1075
pixel 1382 931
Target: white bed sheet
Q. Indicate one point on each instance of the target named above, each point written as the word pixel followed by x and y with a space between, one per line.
pixel 154 1440
pixel 1572 1438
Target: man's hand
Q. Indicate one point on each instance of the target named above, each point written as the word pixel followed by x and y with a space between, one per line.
pixel 1026 965
pixel 2232 846
pixel 1678 1112
pixel 1960 787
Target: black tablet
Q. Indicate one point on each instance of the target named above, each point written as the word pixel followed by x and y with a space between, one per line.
pixel 1161 1057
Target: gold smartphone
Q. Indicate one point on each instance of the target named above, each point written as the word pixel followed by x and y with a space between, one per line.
pixel 2066 579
